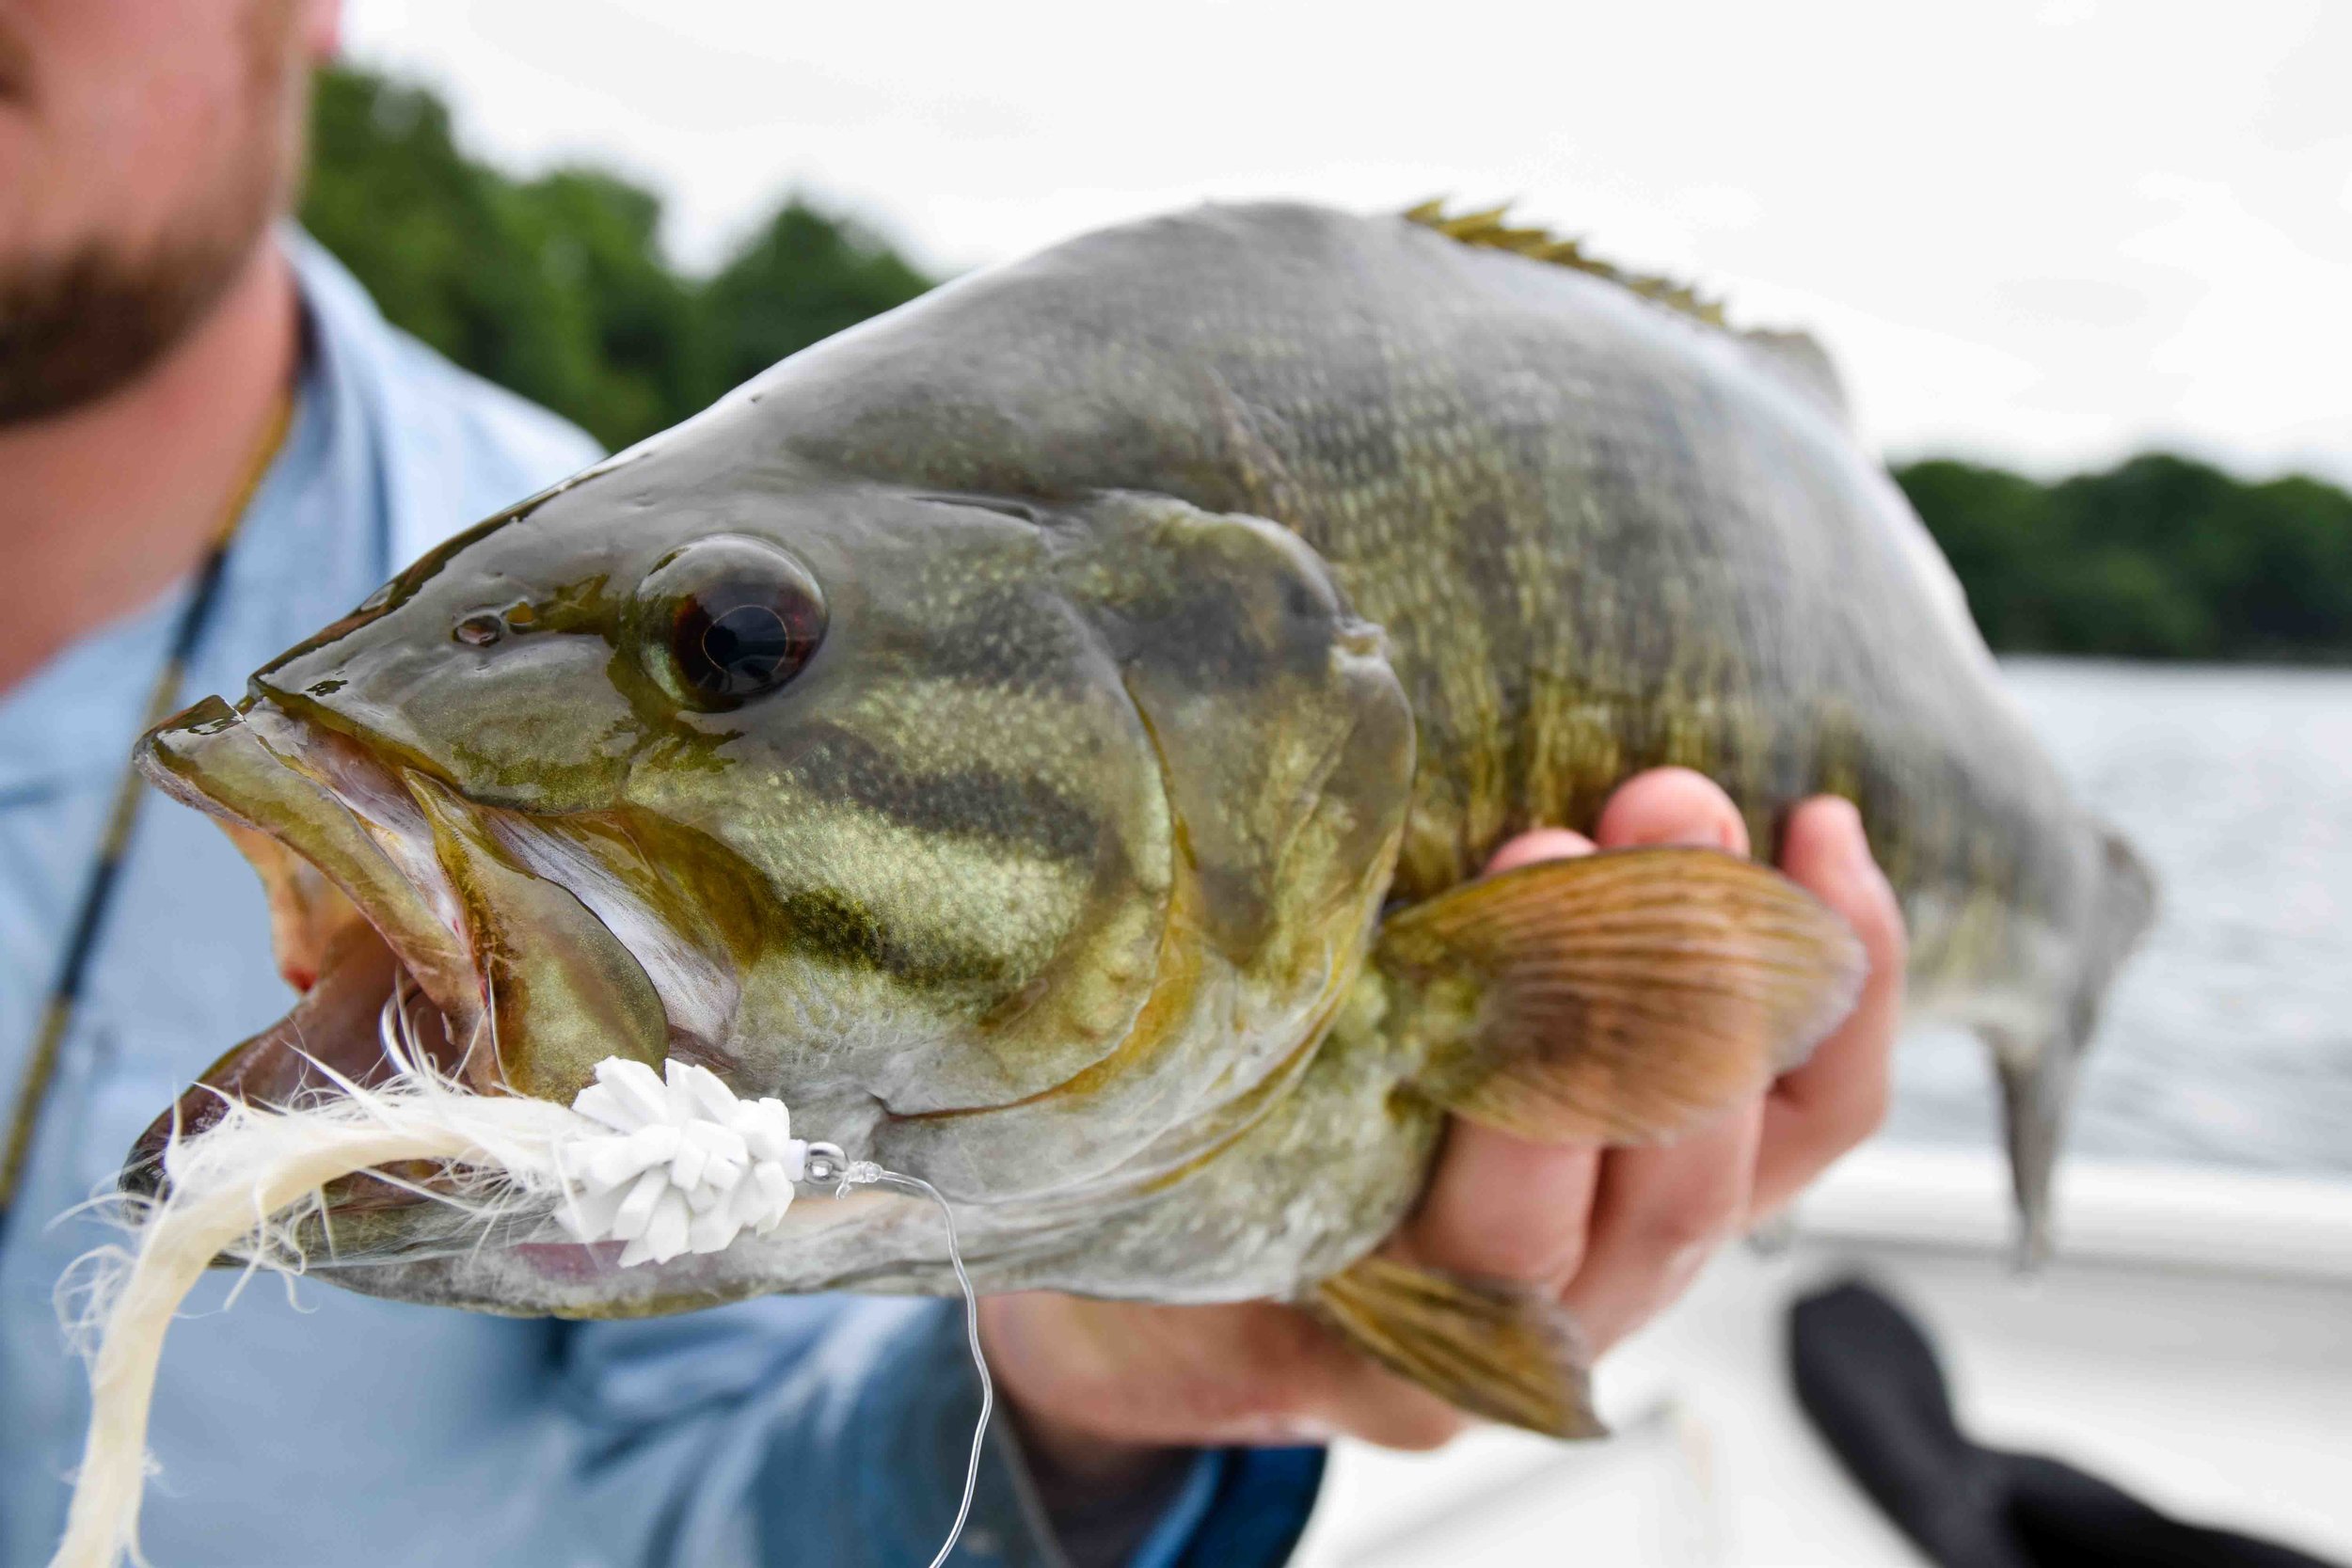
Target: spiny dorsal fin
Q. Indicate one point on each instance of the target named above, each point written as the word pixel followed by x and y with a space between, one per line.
pixel 1488 230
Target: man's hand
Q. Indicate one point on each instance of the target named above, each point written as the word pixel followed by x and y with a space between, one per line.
pixel 1101 1388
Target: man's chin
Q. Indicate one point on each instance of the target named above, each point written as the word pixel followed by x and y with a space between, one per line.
pixel 16 69
pixel 76 328
pixel 119 278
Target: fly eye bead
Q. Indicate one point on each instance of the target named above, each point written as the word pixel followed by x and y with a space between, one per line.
pixel 728 618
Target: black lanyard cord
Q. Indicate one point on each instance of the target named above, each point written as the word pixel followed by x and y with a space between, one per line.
pixel 89 919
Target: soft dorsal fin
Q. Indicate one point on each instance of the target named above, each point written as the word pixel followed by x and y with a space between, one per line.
pixel 1798 359
pixel 1488 229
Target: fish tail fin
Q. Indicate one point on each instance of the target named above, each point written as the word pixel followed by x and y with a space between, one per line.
pixel 1503 1352
pixel 1620 997
pixel 2037 1076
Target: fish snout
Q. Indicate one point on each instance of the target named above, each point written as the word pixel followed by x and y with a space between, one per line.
pixel 419 929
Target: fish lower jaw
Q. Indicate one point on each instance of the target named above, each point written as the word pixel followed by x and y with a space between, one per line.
pixel 875 1242
pixel 333 835
pixel 371 921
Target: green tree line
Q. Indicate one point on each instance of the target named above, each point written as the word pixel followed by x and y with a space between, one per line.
pixel 557 286
pixel 2157 557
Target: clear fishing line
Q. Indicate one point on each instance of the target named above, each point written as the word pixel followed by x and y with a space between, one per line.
pixel 665 1164
pixel 864 1172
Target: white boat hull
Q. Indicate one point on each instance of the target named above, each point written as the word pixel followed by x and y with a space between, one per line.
pixel 2193 1343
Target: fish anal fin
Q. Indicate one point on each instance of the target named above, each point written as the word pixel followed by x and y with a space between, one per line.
pixel 1501 1352
pixel 1621 997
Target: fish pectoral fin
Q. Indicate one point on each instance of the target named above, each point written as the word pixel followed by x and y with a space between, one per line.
pixel 1503 1352
pixel 1621 997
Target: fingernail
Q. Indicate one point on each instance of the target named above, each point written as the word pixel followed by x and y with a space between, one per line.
pixel 1540 844
pixel 1854 845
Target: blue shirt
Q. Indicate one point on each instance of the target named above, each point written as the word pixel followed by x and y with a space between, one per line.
pixel 315 1427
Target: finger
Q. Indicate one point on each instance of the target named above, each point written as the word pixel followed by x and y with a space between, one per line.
pixel 1672 805
pixel 1089 1379
pixel 1839 1097
pixel 1658 1213
pixel 1356 1396
pixel 1499 1207
pixel 1502 1208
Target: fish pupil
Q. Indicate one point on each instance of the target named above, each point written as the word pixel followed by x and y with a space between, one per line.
pixel 736 640
pixel 748 644
pixel 725 619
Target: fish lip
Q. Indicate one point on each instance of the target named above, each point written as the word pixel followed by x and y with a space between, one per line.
pixel 331 805
pixel 325 798
pixel 245 767
pixel 698 984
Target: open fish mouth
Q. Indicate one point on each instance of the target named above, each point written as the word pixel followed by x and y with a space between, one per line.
pixel 481 943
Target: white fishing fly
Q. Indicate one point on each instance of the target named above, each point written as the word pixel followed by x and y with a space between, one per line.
pixel 665 1164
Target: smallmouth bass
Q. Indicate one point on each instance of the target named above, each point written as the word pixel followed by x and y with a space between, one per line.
pixel 1047 735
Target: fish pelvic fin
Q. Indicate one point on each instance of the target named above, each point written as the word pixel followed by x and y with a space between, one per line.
pixel 1503 1351
pixel 1618 998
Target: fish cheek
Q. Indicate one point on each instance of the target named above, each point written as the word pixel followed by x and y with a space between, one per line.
pixel 562 992
pixel 942 921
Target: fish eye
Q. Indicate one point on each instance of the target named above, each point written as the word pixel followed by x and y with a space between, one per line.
pixel 728 619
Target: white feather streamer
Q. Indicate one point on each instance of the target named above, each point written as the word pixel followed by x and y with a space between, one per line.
pixel 667 1163
pixel 241 1187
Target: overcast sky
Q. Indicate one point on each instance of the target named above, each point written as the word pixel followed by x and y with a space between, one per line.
pixel 2046 233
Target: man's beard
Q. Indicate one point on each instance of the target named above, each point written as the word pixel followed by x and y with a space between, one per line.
pixel 76 326
pixel 75 330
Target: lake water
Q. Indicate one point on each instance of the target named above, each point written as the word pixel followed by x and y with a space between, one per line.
pixel 2229 1037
